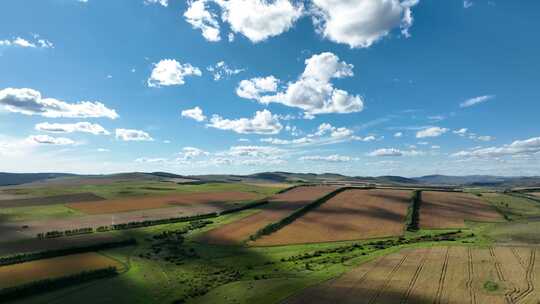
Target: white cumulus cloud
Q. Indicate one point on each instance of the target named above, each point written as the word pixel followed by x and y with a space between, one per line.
pixel 169 72
pixel 132 135
pixel 30 102
pixel 160 2
pixel 84 127
pixel 361 23
pixel 195 113
pixel 24 43
pixel 200 17
pixel 253 88
pixel 518 147
pixel 259 20
pixel 49 140
pixel 262 123
pixel 334 158
pixel 313 92
pixel 431 132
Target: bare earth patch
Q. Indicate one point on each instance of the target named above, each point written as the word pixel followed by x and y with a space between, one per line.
pixel 350 215
pixel 452 275
pixel 451 209
pixel 279 207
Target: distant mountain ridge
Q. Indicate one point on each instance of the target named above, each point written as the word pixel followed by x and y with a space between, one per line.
pixel 8 179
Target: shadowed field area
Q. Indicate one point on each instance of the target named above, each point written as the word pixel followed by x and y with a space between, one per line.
pixel 451 210
pixel 436 275
pixel 280 206
pixel 17 274
pixel 350 215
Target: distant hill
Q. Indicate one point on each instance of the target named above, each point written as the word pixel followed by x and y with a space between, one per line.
pixel 10 179
pixel 479 180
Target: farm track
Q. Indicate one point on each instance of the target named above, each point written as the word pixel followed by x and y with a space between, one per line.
pixel 497 264
pixel 442 278
pixel 387 280
pixel 412 282
pixel 529 277
pixel 470 274
pixel 501 277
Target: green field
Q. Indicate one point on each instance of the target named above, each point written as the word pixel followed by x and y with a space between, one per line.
pixel 32 213
pixel 512 207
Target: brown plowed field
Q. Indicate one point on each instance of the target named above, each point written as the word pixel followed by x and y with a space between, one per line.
pixel 50 200
pixel 154 202
pixel 451 209
pixel 451 275
pixel 17 274
pixel 34 244
pixel 279 207
pixel 350 215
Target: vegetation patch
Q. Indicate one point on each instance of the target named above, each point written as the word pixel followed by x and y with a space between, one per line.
pixel 412 220
pixel 491 286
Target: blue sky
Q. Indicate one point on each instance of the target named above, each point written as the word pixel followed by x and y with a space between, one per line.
pixel 381 87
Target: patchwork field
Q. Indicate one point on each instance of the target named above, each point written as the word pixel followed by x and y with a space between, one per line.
pixel 451 209
pixel 17 274
pixel 49 200
pixel 279 206
pixel 437 275
pixel 162 201
pixel 350 215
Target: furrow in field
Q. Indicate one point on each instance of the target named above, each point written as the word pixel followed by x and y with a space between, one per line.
pixel 442 278
pixel 529 277
pixel 455 289
pixel 412 282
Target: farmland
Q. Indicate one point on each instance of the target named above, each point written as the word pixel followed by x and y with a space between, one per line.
pixel 350 246
pixel 163 201
pixel 451 210
pixel 18 274
pixel 350 215
pixel 436 275
pixel 279 206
